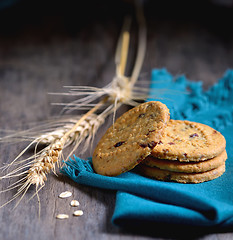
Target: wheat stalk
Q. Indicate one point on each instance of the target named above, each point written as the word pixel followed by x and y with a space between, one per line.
pixel 122 90
pixel 36 168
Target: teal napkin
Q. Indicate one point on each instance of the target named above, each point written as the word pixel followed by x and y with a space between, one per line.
pixel 142 201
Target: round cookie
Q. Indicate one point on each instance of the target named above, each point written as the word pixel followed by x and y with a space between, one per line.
pixel 189 141
pixel 186 167
pixel 164 175
pixel 130 139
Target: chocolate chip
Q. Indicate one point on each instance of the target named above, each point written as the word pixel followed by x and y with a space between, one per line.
pixel 151 145
pixel 193 135
pixel 150 132
pixel 143 145
pixel 119 144
pixel 171 143
pixel 160 142
pixel 185 154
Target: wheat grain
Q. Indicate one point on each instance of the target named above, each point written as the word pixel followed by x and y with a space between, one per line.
pixel 78 213
pixel 62 216
pixel 74 203
pixel 44 164
pixel 65 194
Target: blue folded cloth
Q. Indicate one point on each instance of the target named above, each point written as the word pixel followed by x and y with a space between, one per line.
pixel 142 201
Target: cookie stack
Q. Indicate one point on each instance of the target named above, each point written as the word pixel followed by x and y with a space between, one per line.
pixel 164 149
pixel 189 152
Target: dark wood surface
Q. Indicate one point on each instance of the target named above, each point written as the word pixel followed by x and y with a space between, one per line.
pixel 44 46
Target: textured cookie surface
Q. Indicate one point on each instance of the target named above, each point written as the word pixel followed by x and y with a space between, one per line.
pixel 189 141
pixel 130 139
pixel 164 175
pixel 186 167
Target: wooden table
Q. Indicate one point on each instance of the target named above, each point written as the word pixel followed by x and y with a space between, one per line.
pixel 45 46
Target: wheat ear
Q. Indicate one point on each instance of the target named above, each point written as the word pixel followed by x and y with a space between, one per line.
pixel 35 168
pixel 120 91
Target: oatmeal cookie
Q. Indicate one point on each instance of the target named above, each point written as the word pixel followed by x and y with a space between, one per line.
pixel 130 139
pixel 165 175
pixel 189 141
pixel 186 167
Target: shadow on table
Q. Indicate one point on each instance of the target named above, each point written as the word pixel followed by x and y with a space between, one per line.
pixel 168 231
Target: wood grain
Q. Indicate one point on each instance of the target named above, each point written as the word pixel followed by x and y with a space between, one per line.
pixel 44 47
